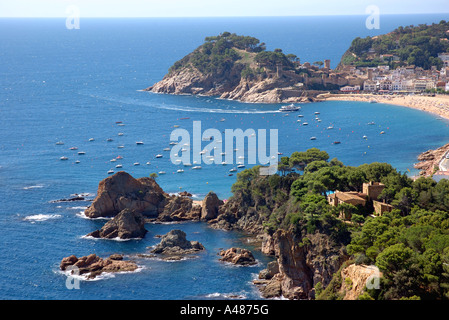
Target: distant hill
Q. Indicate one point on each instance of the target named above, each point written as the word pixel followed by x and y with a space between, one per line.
pixel 409 45
pixel 240 68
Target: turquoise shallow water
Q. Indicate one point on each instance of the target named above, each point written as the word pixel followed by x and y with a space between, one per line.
pixel 61 85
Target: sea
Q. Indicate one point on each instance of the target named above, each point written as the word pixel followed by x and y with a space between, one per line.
pixel 62 88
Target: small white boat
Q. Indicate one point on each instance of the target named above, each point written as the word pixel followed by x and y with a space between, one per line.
pixel 59 143
pixel 183 150
pixel 167 149
pixel 73 148
pixel 91 139
pixel 109 140
pixel 382 132
pixel 313 138
pixel 148 163
pixel 161 172
pixel 305 124
pixel 317 112
pixel 120 147
pixel 121 124
pixel 289 108
pixel 223 153
pixel 119 166
pixel 139 142
pixel 120 133
pixel 173 143
pixel 365 137
pixel 159 156
pixel 222 119
pixel 81 153
pixel 110 171
pixel 77 161
pixel 187 164
pixel 241 166
pixel 180 171
pixel 202 152
pixel 113 160
pixel 371 123
pixel 196 167
pixel 233 170
pixel 224 163
pixel 300 115
pixel 136 164
pixel 330 127
pixel 64 158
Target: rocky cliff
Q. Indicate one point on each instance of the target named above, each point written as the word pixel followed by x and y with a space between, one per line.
pixel 430 159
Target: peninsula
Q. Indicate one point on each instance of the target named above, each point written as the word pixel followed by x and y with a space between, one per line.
pixel 237 67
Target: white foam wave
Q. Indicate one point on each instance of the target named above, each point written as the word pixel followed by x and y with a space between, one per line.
pixel 184 108
pixel 41 217
pixel 219 295
pixel 77 208
pixel 38 186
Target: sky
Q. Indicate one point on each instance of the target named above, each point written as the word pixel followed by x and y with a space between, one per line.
pixel 214 8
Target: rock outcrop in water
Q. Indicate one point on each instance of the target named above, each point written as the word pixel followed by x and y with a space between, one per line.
pixel 121 191
pixel 125 225
pixel 175 246
pixel 92 266
pixel 238 256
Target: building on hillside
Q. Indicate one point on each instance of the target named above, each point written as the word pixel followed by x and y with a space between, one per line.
pixel 381 207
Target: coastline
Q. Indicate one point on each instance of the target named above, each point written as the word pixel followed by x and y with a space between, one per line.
pixel 437 105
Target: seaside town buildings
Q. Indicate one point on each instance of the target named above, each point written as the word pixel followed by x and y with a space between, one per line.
pixel 406 79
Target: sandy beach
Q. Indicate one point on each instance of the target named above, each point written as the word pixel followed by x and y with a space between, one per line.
pixel 438 105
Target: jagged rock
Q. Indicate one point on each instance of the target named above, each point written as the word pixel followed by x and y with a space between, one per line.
pixel 210 206
pixel 354 280
pixel 92 265
pixel 122 191
pixel 174 245
pixel 271 270
pixel 238 256
pixel 179 208
pixel 126 225
pixel 302 266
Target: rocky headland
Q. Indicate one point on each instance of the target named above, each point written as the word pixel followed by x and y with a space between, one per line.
pixel 236 67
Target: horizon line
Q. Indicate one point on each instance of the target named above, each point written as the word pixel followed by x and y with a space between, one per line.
pixel 196 17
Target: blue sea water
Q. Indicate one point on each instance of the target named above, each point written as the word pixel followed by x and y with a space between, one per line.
pixel 72 85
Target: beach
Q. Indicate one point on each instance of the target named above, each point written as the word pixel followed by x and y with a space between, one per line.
pixel 438 104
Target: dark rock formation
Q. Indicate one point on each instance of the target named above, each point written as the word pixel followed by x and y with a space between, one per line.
pixel 210 206
pixel 126 225
pixel 302 266
pixel 92 265
pixel 174 245
pixel 238 256
pixel 122 191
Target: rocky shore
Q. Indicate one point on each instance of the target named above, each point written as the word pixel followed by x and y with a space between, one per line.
pixel 429 160
pixel 301 260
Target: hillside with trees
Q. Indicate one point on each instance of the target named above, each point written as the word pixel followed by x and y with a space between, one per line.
pixel 409 245
pixel 404 46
